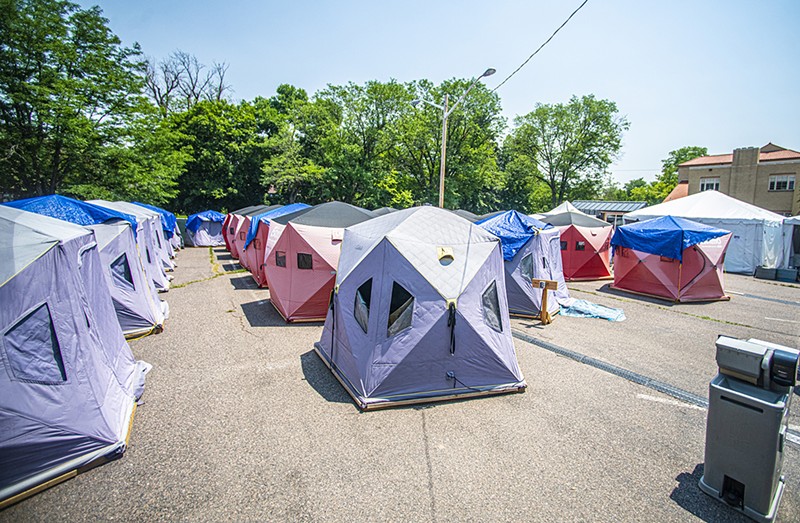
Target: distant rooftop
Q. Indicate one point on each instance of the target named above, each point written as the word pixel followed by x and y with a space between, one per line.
pixel 597 206
pixel 768 153
pixel 680 190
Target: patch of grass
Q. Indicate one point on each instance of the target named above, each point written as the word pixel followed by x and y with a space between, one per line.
pixel 216 269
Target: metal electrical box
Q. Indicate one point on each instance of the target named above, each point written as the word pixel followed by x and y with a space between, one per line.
pixel 747 421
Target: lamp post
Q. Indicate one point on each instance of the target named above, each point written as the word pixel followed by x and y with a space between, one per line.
pixel 445 114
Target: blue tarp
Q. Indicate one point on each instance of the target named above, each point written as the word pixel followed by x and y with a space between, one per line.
pixel 587 309
pixel 267 216
pixel 168 220
pixel 70 210
pixel 193 222
pixel 513 229
pixel 666 236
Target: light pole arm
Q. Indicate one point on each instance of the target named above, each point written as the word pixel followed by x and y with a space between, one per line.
pixel 463 96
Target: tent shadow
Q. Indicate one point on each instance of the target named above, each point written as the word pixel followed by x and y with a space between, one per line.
pixel 224 257
pixel 231 267
pixel 321 380
pixel 261 313
pixel 689 497
pixel 606 289
pixel 244 282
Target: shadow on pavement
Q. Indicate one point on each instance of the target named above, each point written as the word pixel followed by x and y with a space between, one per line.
pixel 244 282
pixel 261 313
pixel 689 497
pixel 322 380
pixel 224 257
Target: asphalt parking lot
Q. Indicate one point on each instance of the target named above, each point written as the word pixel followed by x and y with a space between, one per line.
pixel 241 421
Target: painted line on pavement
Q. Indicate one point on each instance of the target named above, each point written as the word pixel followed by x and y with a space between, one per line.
pixel 780 319
pixel 665 388
pixel 765 298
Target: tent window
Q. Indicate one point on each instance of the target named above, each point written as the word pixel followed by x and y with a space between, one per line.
pixel 666 259
pixel 32 349
pixel 580 246
pixel 622 252
pixel 526 266
pixel 231 230
pixel 121 273
pixel 256 243
pixel 361 306
pixel 242 235
pixel 280 258
pixel 544 262
pixel 401 309
pixel 304 261
pixel 564 245
pixel 491 308
pixel 149 259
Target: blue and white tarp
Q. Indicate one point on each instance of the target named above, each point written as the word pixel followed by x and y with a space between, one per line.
pixel 513 229
pixel 269 215
pixel 194 221
pixel 666 236
pixel 71 210
pixel 168 220
pixel 587 309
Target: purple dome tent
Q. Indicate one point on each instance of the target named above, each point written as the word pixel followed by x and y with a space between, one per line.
pixel 419 312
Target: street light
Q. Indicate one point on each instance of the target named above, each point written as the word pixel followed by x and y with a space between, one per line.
pixel 445 114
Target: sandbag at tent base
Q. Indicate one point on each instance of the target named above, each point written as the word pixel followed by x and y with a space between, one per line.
pixel 671 300
pixel 376 403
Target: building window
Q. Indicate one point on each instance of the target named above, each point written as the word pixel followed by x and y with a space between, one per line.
pixel 280 258
pixel 361 306
pixel 304 261
pixel 781 182
pixel 709 184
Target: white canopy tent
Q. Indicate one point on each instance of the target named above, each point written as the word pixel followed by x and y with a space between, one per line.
pixel 791 230
pixel 759 237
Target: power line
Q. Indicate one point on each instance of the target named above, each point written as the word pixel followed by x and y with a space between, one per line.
pixel 541 46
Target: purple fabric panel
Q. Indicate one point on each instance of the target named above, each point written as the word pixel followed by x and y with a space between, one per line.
pixel 91 404
pixel 152 263
pixel 470 306
pixel 342 351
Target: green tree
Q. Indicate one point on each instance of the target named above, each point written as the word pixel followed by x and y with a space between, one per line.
pixel 68 90
pixel 569 146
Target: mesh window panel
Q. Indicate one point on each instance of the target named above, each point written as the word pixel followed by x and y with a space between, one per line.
pixel 149 259
pixel 580 246
pixel 563 245
pixel 526 266
pixel 401 310
pixel 304 261
pixel 362 303
pixel 280 258
pixel 121 273
pixel 32 349
pixel 491 308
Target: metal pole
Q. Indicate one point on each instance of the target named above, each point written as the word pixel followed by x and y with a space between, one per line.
pixel 444 153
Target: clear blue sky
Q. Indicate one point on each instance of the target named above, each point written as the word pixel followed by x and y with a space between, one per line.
pixel 715 74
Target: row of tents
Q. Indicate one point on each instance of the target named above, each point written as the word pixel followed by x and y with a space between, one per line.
pixel 76 279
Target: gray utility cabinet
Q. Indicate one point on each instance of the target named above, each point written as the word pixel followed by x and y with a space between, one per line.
pixel 744 446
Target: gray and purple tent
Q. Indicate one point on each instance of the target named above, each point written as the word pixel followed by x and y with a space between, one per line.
pixel 419 312
pixel 138 308
pixel 531 250
pixel 204 229
pixel 148 230
pixel 69 382
pixel 169 224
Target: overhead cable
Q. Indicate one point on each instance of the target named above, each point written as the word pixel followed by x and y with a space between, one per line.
pixel 541 46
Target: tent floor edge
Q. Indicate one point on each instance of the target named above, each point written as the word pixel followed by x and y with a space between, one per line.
pixel 36 489
pixel 382 403
pixel 589 278
pixel 670 300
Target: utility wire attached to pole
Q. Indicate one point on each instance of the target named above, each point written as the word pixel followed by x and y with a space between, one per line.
pixel 541 46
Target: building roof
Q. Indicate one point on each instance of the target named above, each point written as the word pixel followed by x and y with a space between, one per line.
pixel 768 153
pixel 681 190
pixel 596 206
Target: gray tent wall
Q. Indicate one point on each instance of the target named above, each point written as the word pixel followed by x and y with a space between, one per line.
pixel 545 252
pixel 425 360
pixel 69 381
pixel 145 242
pixel 138 308
pixel 160 244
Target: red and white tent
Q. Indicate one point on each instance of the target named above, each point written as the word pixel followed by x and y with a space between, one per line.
pixel 302 255
pixel 671 258
pixel 585 243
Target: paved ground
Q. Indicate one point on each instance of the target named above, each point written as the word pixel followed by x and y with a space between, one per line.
pixel 241 421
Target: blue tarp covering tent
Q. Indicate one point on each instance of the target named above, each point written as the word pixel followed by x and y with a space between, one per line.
pixel 531 250
pixel 513 229
pixel 168 220
pixel 71 210
pixel 204 229
pixel 136 303
pixel 269 215
pixel 666 236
